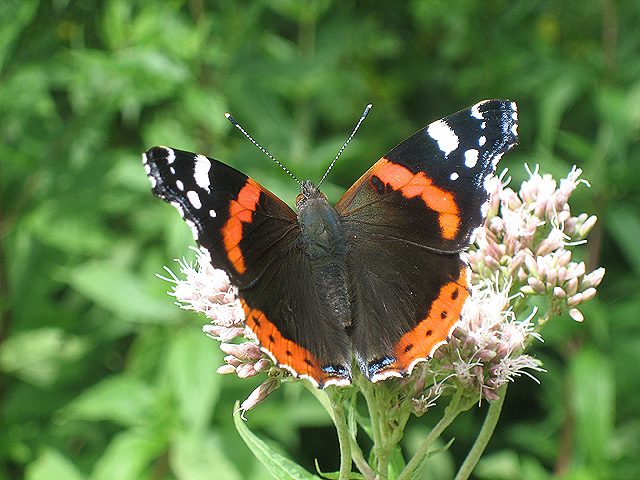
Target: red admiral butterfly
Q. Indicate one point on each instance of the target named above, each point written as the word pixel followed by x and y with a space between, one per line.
pixel 378 277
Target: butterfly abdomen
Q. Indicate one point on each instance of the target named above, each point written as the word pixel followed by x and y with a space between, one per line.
pixel 324 244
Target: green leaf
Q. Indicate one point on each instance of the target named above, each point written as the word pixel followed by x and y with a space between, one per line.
pixel 197 457
pixel 278 466
pixel 52 464
pixel 336 475
pixel 121 399
pixel 625 230
pixel 507 465
pixel 593 400
pixel 37 355
pixel 14 16
pixel 117 290
pixel 128 455
pixel 191 364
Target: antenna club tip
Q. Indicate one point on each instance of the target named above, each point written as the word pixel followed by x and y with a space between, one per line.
pixel 227 114
pixel 370 106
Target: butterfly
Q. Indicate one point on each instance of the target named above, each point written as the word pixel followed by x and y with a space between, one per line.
pixel 376 282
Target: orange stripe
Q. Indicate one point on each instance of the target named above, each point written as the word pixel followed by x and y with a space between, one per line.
pixel 285 352
pixel 433 329
pixel 240 212
pixel 412 185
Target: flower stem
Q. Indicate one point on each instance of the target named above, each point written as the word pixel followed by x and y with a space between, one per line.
pixel 356 452
pixel 344 437
pixel 486 432
pixel 417 462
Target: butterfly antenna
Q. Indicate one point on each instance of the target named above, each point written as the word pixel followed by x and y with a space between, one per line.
pixel 262 149
pixel 362 117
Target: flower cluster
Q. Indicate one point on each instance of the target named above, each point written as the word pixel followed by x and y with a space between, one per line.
pixel 485 350
pixel 527 238
pixel 523 250
pixel 207 290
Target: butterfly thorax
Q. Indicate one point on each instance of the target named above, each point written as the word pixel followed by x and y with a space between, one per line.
pixel 324 243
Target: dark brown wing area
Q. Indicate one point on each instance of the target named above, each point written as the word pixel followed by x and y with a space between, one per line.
pixel 254 237
pixel 406 220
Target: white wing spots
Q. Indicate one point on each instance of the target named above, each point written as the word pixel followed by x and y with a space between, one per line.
pixel 172 170
pixel 201 172
pixel 482 140
pixel 443 134
pixel 454 176
pixel 514 129
pixel 179 208
pixel 483 125
pixel 153 181
pixel 496 159
pixel 180 185
pixel 193 228
pixel 471 158
pixel 475 110
pixel 194 199
pixel 212 213
pixel 171 155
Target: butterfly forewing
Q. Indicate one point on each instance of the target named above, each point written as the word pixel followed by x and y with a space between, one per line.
pixel 255 238
pixel 406 221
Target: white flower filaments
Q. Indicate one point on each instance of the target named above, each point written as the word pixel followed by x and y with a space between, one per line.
pixel 207 290
pixel 523 250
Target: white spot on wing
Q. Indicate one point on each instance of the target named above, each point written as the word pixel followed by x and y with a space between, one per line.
pixel 483 125
pixel 471 157
pixel 194 199
pixel 212 213
pixel 201 171
pixel 454 176
pixel 171 155
pixel 179 208
pixel 180 185
pixel 475 110
pixel 172 170
pixel 193 228
pixel 482 140
pixel 514 129
pixel 443 134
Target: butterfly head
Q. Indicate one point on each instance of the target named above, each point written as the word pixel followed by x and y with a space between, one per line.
pixel 309 192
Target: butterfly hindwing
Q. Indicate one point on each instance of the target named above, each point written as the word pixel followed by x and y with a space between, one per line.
pixel 255 238
pixel 406 221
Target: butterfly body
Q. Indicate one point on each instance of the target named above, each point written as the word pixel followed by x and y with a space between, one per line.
pixel 378 278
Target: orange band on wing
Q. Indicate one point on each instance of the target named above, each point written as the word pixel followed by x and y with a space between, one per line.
pixel 283 351
pixel 412 185
pixel 240 212
pixel 434 329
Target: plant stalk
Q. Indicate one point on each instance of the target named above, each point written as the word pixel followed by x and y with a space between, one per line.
pixel 482 440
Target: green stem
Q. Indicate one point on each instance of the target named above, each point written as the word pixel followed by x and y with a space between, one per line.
pixel 373 411
pixel 482 440
pixel 356 452
pixel 322 397
pixel 344 437
pixel 417 462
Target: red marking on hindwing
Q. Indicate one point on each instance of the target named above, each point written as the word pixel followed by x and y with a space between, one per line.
pixel 240 212
pixel 412 185
pixel 432 331
pixel 286 353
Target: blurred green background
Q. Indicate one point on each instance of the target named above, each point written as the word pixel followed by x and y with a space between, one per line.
pixel 103 378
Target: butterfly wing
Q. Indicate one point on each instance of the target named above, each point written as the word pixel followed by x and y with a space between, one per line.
pixel 406 221
pixel 255 238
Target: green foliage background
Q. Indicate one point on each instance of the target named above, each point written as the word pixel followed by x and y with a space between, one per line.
pixel 103 378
